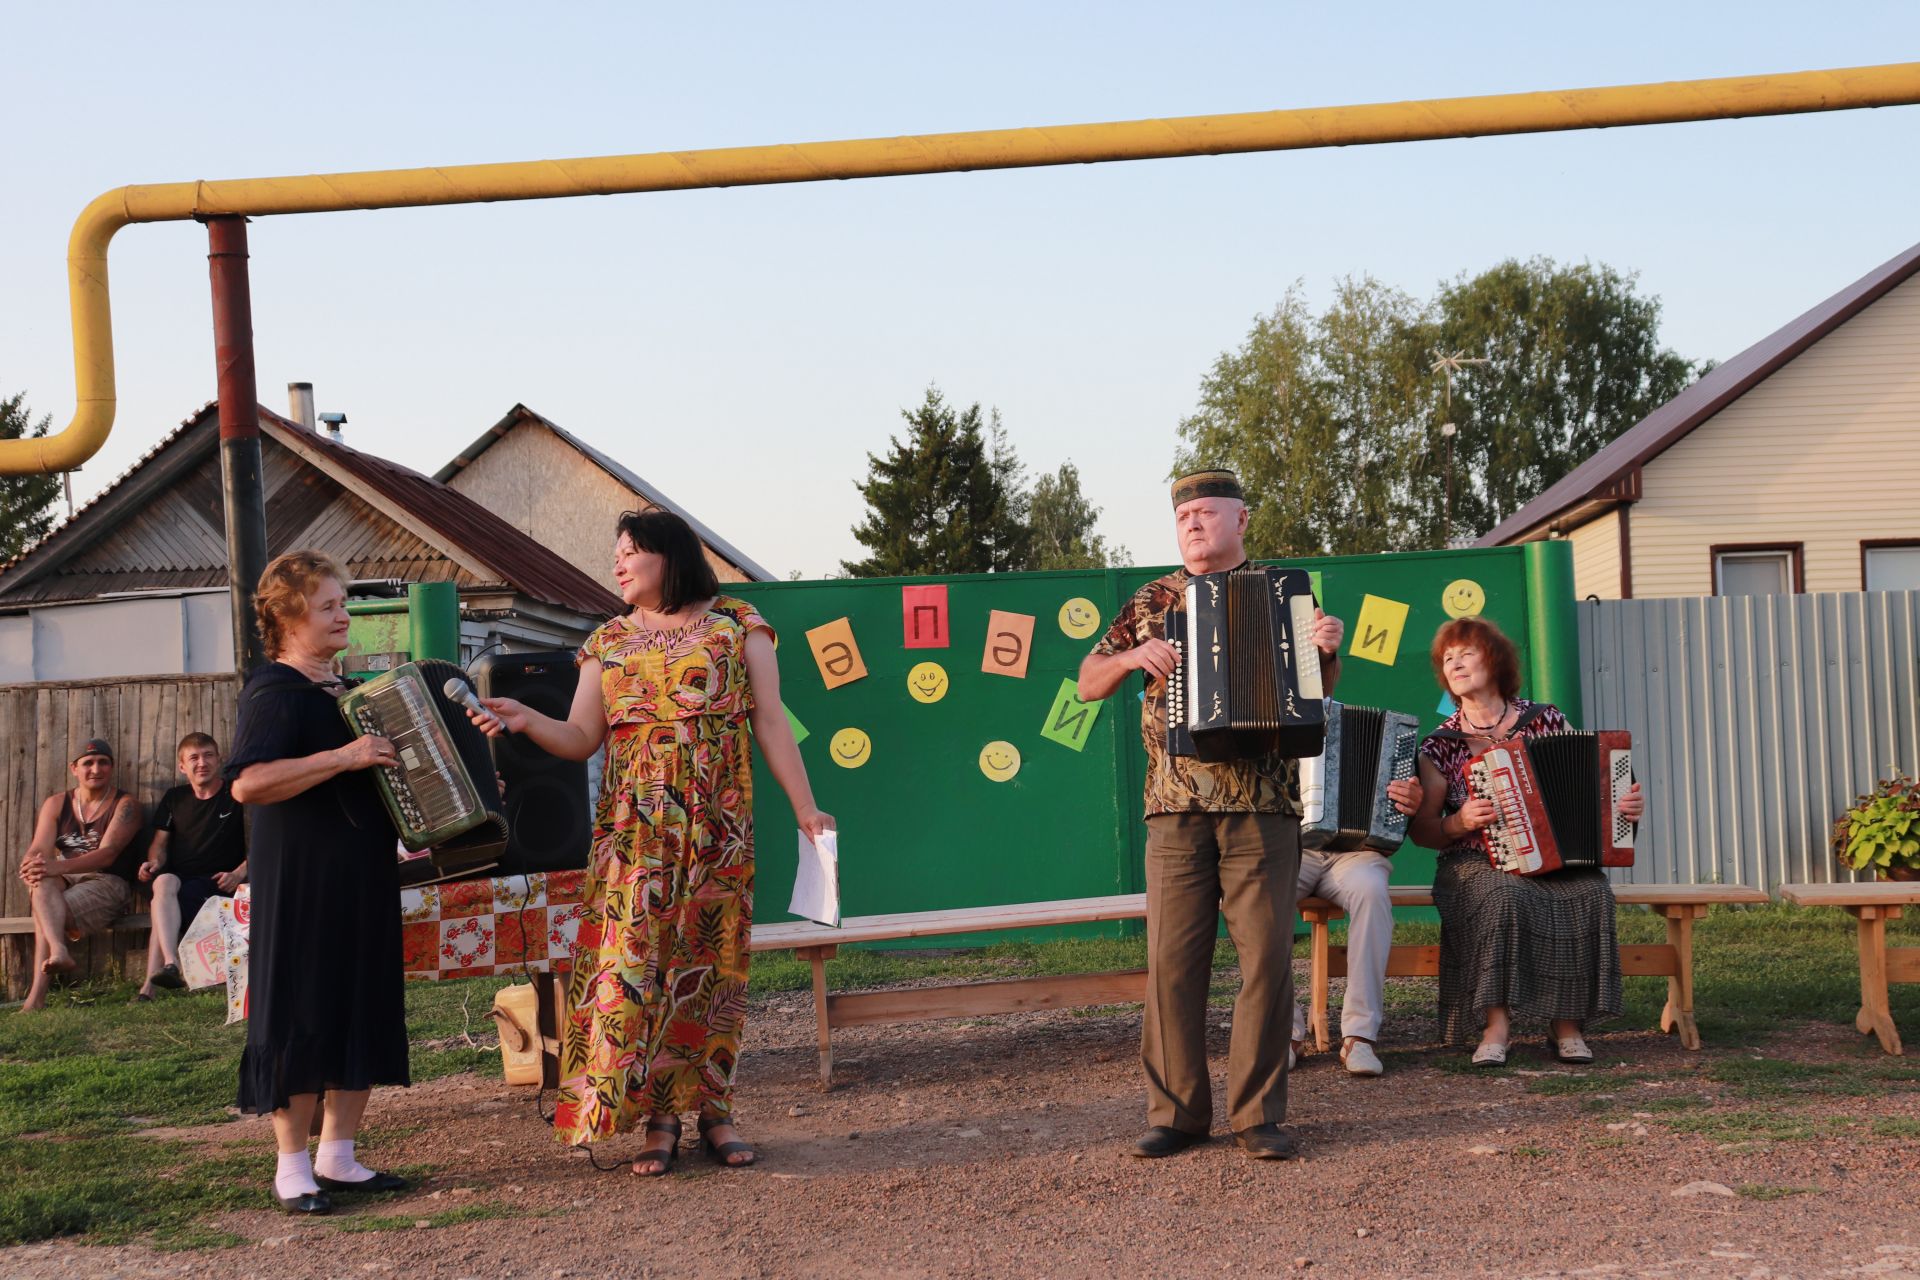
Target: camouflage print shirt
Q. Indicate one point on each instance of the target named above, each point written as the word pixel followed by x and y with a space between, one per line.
pixel 1181 784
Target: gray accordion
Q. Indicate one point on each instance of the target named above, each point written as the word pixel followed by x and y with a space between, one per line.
pixel 1343 790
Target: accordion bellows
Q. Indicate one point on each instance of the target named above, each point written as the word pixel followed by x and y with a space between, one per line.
pixel 1343 790
pixel 1248 683
pixel 1556 797
pixel 442 794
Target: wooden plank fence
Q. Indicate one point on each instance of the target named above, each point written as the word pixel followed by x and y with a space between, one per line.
pixel 143 719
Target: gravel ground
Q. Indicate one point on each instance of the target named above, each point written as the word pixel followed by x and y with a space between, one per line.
pixel 997 1148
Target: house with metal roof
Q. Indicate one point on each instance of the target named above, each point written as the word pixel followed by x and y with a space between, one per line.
pixel 135 582
pixel 1794 466
pixel 567 495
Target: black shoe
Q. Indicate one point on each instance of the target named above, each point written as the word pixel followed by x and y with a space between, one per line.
pixel 378 1182
pixel 1267 1142
pixel 1164 1140
pixel 315 1203
pixel 168 976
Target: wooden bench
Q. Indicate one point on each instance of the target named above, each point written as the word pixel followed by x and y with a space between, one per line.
pixel 1679 904
pixel 16 934
pixel 817 944
pixel 1871 905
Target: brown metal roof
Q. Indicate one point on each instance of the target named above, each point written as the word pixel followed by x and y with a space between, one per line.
pixel 466 527
pixel 1611 476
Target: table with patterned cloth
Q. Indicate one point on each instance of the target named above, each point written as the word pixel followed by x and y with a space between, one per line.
pixel 462 929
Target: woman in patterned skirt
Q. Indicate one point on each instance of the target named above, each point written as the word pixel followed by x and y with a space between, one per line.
pixel 1510 945
pixel 659 988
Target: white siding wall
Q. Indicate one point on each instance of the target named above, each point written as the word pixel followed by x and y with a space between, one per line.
pixel 1596 557
pixel 1825 452
pixel 542 486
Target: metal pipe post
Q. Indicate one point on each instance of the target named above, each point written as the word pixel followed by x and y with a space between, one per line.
pixel 241 482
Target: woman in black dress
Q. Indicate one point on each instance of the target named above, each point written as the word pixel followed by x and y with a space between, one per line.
pixel 326 1012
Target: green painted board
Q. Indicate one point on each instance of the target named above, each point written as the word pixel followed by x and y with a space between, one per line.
pixel 923 828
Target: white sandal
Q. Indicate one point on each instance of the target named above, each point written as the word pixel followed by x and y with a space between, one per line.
pixel 1572 1049
pixel 1490 1054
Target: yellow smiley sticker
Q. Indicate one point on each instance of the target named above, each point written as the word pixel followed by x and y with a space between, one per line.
pixel 850 748
pixel 927 682
pixel 1463 598
pixel 1000 761
pixel 1079 617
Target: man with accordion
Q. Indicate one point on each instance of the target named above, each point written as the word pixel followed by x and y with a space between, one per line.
pixel 1222 805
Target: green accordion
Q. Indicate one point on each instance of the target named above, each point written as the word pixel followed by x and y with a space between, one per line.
pixel 441 795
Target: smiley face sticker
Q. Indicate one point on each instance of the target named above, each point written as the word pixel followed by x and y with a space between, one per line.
pixel 927 682
pixel 1000 761
pixel 1079 618
pixel 1463 598
pixel 850 748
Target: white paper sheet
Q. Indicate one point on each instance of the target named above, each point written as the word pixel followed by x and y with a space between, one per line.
pixel 816 881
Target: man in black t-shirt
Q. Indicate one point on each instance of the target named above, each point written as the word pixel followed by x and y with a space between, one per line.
pixel 199 850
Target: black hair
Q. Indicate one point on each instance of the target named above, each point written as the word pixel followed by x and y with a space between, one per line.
pixel 688 577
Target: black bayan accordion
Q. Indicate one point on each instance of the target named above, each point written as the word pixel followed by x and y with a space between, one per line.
pixel 1343 790
pixel 442 795
pixel 1557 799
pixel 1248 679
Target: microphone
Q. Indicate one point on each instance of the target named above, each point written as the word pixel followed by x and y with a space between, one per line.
pixel 456 689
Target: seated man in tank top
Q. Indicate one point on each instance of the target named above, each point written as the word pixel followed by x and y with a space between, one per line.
pixel 75 867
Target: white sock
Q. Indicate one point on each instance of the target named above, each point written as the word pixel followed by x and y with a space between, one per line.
pixel 294 1176
pixel 335 1160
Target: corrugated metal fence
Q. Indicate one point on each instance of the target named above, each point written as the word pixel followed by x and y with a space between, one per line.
pixel 1756 720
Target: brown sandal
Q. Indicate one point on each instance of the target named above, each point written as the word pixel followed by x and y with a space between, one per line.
pixel 663 1157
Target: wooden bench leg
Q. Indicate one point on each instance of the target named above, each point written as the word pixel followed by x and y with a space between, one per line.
pixel 1317 983
pixel 1678 1014
pixel 1875 1015
pixel 818 957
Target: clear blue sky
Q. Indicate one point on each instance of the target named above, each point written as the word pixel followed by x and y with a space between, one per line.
pixel 744 349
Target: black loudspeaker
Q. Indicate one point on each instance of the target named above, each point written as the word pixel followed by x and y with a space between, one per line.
pixel 548 819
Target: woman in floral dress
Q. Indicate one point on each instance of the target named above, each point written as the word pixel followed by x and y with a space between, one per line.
pixel 659 988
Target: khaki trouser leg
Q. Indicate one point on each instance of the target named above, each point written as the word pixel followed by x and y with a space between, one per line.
pixel 1357 882
pixel 1183 913
pixel 1258 868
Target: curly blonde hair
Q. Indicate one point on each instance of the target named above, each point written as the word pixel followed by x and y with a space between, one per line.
pixel 281 598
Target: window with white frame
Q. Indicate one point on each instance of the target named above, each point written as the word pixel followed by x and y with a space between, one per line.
pixel 1758 571
pixel 1891 568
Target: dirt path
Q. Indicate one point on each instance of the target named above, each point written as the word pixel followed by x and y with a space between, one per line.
pixel 997 1149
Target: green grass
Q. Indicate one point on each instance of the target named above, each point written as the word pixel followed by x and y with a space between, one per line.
pixel 79 1082
pixel 1769 1191
pixel 1895 1127
pixel 1532 1152
pixel 1751 1125
pixel 445 1218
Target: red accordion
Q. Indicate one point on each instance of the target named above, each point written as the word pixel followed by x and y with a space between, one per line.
pixel 1557 798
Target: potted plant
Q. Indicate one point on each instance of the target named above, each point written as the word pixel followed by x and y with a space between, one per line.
pixel 1882 831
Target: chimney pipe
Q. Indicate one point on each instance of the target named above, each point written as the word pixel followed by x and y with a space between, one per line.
pixel 300 399
pixel 333 423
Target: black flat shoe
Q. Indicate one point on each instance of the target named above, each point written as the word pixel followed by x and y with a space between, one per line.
pixel 1163 1140
pixel 378 1182
pixel 1267 1142
pixel 315 1203
pixel 168 976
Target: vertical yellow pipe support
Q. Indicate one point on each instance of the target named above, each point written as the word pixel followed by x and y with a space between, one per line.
pixel 1719 99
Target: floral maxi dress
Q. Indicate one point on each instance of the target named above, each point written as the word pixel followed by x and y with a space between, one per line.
pixel 659 988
